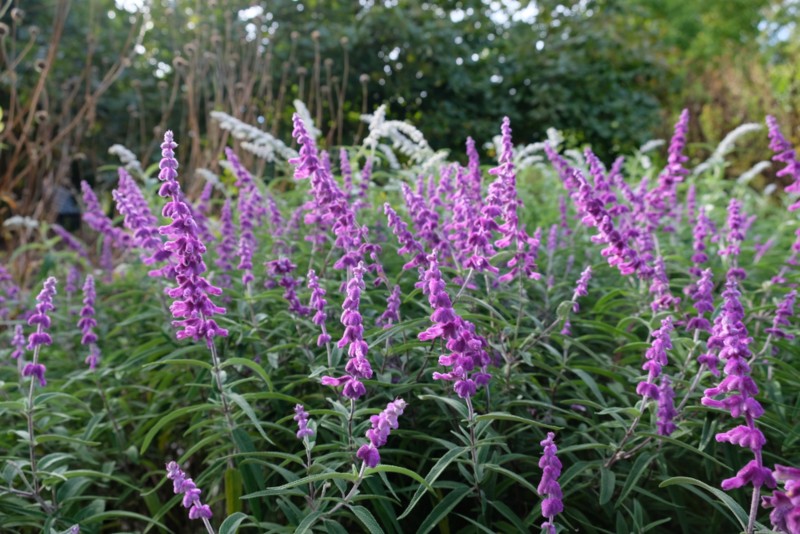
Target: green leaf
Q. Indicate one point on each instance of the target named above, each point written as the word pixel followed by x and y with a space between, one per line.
pixel 231 523
pixel 301 481
pixel 434 474
pixel 503 416
pixel 250 364
pixel 607 482
pixel 366 517
pixel 233 491
pixel 444 507
pixel 251 414
pixel 307 522
pixel 381 468
pixel 638 469
pixel 739 513
pixel 165 420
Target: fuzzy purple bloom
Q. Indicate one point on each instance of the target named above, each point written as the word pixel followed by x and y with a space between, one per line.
pixel 785 516
pixel 382 425
pixel 18 342
pixel 358 367
pixel 70 240
pixel 301 416
pixel 548 487
pixel 467 358
pixel 737 389
pixel 317 304
pixel 581 288
pixel 392 313
pixel 87 322
pixel 701 294
pixel 662 199
pixel 193 308
pixel 785 153
pixel 73 277
pixel 96 218
pixel 783 313
pixel 41 319
pixel 666 412
pixel 736 228
pixel 659 288
pixel 280 274
pixel 191 493
pixel 409 244
pixel 656 357
pixel 226 249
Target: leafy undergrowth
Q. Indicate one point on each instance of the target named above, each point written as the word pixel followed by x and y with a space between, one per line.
pixel 559 361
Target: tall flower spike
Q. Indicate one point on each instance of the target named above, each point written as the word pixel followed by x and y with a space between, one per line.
pixel 656 357
pixel 666 408
pixel 191 493
pixel 41 319
pixel 549 488
pixel 317 304
pixel 382 425
pixel 193 308
pixel 784 312
pixel 738 389
pixel 581 288
pixel 358 367
pixel 87 322
pixel 18 342
pixel 467 357
pixel 392 313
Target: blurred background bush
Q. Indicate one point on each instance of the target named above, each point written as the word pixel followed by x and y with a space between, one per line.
pixel 79 76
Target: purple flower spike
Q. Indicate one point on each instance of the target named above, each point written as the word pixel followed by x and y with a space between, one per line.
pixel 782 315
pixel 785 516
pixel 382 425
pixel 656 357
pixel 317 304
pixel 191 493
pixel 409 244
pixel 784 153
pixel 301 416
pixel 87 321
pixel 659 287
pixel 96 218
pixel 701 294
pixel 18 342
pixel 549 488
pixel 40 337
pixel 662 200
pixel 227 245
pixel 70 241
pixel 40 317
pixel 581 288
pixel 392 313
pixel 193 307
pixel 358 367
pixel 467 358
pixel 280 274
pixel 666 408
pixel 737 388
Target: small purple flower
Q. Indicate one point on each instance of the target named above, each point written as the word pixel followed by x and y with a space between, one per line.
pixel 317 304
pixel 736 228
pixel 548 487
pixel 73 277
pixel 96 218
pixel 227 245
pixel 785 516
pixel 193 307
pixel 581 288
pixel 382 425
pixel 392 313
pixel 783 313
pixel 191 493
pixel 18 342
pixel 301 416
pixel 358 367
